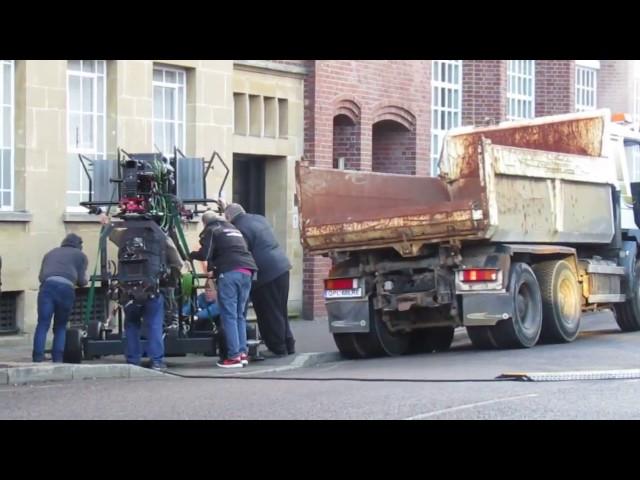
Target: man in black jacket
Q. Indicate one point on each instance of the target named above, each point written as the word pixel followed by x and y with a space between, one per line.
pixel 225 251
pixel 270 292
pixel 62 268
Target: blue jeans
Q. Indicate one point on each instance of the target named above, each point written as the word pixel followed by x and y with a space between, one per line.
pixel 233 293
pixel 153 314
pixel 55 299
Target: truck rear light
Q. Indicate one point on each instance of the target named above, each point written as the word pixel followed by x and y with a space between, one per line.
pixel 340 283
pixel 478 275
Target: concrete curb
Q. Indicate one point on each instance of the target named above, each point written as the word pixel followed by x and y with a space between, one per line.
pixel 24 373
pixel 302 360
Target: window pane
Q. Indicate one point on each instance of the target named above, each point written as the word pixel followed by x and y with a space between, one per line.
pixel 435 68
pixel 6 199
pixel 171 138
pixel 6 126
pixel 89 66
pixel 87 131
pixel 87 95
pixel 158 136
pixel 73 135
pixel 101 66
pixel 6 94
pixel 157 102
pixel 169 76
pixel 169 101
pixel 180 104
pixel 100 144
pixel 74 65
pixel 73 172
pixel 6 169
pixel 157 75
pixel 74 93
pixel 180 137
pixel 100 95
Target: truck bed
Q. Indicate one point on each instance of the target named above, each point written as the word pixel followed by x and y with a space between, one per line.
pixel 539 181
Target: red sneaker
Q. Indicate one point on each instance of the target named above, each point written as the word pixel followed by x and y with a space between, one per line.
pixel 244 358
pixel 230 363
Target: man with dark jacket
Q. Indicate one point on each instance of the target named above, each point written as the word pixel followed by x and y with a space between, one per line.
pixel 225 251
pixel 62 268
pixel 270 292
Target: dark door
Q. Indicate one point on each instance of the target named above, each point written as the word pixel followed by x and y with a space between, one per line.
pixel 249 182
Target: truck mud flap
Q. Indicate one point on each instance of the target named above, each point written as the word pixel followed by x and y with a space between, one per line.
pixel 486 308
pixel 348 316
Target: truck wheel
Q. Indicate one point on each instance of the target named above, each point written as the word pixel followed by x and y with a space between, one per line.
pixel 481 338
pixel 628 313
pixel 72 346
pixel 427 340
pixel 384 341
pixel 523 329
pixel 348 346
pixel 561 308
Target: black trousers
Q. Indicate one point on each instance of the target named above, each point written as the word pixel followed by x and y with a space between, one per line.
pixel 270 304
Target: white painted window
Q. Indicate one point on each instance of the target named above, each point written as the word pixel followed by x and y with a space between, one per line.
pixel 521 87
pixel 636 102
pixel 169 105
pixel 86 123
pixel 446 103
pixel 632 153
pixel 586 88
pixel 6 134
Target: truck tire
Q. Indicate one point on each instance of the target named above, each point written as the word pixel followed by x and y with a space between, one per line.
pixel 561 306
pixel 348 345
pixel 523 329
pixel 381 341
pixel 427 340
pixel 72 346
pixel 378 342
pixel 481 338
pixel 628 313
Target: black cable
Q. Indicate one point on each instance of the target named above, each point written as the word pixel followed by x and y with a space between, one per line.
pixel 346 379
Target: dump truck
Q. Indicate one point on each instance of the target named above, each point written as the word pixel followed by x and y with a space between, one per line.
pixel 528 224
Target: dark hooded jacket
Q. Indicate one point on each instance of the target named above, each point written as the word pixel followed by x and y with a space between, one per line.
pixel 66 261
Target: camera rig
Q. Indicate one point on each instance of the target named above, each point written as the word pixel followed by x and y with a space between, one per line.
pixel 150 193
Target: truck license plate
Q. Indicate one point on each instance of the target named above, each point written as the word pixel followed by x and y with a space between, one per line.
pixel 345 293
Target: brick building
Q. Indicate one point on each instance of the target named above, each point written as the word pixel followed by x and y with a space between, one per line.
pixel 391 115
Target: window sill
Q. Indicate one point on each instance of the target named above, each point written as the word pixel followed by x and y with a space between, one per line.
pixel 80 217
pixel 22 217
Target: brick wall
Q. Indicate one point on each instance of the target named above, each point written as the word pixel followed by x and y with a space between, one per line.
pixel 366 91
pixel 615 88
pixel 346 142
pixel 555 87
pixel 393 149
pixel 484 91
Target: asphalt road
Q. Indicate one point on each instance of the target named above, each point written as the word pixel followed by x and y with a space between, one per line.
pixel 459 384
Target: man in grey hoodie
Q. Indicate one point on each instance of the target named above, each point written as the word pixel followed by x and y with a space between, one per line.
pixel 62 268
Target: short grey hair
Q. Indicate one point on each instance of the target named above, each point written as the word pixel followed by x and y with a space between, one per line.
pixel 209 216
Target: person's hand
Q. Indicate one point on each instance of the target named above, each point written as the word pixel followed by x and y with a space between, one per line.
pixel 209 274
pixel 222 203
pixel 104 219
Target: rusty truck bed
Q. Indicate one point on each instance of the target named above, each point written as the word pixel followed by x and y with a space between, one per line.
pixel 517 182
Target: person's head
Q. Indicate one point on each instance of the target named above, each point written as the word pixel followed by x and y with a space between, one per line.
pixel 72 240
pixel 232 211
pixel 208 217
pixel 210 293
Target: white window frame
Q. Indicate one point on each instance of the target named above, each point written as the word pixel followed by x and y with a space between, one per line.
pixel 586 88
pixel 179 109
pixel 94 151
pixel 10 145
pixel 449 115
pixel 521 89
